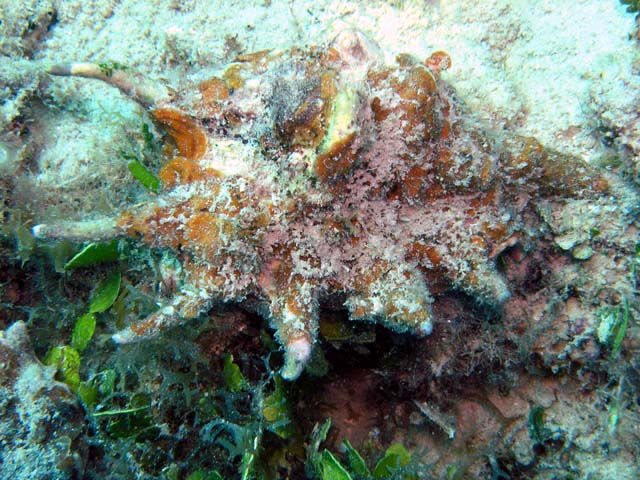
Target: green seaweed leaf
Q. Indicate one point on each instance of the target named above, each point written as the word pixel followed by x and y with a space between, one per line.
pixel 537 431
pixel 133 421
pixel 234 381
pixel 88 394
pixel 105 294
pixel 277 411
pixel 620 329
pixel 83 331
pixel 204 475
pixel 331 469
pixel 122 411
pixel 451 472
pixel 614 417
pixel 247 465
pixel 314 458
pixel 144 176
pixel 613 326
pixel 356 462
pixel 395 457
pixel 66 360
pixel 107 382
pixel 100 386
pixel 93 254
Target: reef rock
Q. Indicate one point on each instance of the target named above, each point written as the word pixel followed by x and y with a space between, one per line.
pixel 40 418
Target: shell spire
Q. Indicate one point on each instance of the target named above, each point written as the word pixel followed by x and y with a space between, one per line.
pixel 330 177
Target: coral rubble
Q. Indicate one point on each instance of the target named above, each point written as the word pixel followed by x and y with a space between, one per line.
pixel 323 176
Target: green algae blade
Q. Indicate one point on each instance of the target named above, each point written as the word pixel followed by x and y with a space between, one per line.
pixel 105 294
pixel 234 380
pixel 99 387
pixel 277 411
pixel 356 462
pixel 319 435
pixel 112 413
pixel 204 475
pixel 395 457
pixel 621 329
pixel 66 360
pixel 83 331
pixel 537 431
pixel 144 176
pixel 93 254
pixel 331 468
pixel 88 394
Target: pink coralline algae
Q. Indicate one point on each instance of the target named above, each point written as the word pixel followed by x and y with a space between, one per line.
pixel 324 177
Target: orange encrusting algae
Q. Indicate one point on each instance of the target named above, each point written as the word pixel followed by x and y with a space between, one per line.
pixel 189 138
pixel 181 170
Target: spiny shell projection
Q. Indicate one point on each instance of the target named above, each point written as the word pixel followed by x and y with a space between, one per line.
pixel 324 175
